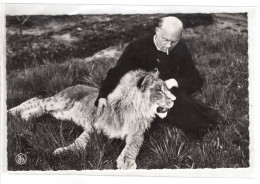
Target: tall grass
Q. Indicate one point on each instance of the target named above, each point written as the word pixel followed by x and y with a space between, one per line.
pixel 50 78
pixel 222 60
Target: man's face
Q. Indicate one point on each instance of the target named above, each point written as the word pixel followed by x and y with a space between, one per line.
pixel 167 39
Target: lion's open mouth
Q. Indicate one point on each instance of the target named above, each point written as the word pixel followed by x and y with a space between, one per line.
pixel 162 110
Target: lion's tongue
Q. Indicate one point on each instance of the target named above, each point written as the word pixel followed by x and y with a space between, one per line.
pixel 161 110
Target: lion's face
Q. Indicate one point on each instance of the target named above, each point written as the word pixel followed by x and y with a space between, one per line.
pixel 161 99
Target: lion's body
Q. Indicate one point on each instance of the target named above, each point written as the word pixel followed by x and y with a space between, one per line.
pixel 128 114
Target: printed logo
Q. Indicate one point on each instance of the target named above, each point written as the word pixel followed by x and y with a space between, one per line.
pixel 21 159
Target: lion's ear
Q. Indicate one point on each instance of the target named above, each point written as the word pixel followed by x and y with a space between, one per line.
pixel 144 82
pixel 156 72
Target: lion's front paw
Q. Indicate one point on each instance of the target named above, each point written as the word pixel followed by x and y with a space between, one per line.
pixel 59 151
pixel 124 163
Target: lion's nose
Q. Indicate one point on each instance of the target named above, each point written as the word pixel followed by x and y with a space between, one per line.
pixel 173 98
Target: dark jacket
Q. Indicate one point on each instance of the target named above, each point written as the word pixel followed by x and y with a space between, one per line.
pixel 143 54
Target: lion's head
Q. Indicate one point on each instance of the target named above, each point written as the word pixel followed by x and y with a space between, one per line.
pixel 160 97
pixel 142 94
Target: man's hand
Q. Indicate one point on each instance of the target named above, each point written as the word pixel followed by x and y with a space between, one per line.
pixel 102 103
pixel 170 83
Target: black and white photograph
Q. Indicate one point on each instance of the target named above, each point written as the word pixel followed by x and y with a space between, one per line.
pixel 126 91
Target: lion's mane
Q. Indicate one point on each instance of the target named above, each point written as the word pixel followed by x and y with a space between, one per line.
pixel 128 106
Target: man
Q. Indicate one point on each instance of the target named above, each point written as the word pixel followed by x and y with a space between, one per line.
pixel 166 52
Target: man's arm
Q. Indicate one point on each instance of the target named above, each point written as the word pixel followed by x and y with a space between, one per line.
pixel 188 77
pixel 124 64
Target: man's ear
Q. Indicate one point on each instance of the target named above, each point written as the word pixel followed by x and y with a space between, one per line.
pixel 144 82
pixel 156 30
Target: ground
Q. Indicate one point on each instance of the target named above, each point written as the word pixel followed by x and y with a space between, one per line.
pixel 46 54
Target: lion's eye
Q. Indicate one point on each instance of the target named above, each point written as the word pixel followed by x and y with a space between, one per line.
pixel 159 91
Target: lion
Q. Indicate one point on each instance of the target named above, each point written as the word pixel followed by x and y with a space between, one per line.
pixel 139 97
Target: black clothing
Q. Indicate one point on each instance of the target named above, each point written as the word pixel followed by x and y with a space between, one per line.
pixel 143 54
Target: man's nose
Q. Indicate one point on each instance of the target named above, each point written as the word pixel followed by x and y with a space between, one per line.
pixel 168 44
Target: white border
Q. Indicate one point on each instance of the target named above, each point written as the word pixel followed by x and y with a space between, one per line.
pixel 222 3
pixel 72 9
pixel 254 127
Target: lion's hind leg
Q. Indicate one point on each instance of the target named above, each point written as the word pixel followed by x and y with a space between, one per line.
pixel 27 108
pixel 37 107
pixel 23 106
pixel 78 144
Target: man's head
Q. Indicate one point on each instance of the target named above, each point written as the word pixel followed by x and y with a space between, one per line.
pixel 168 33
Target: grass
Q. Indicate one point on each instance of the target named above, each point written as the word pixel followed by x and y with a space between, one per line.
pixel 220 55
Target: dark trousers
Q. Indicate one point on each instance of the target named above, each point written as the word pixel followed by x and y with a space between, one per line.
pixel 190 114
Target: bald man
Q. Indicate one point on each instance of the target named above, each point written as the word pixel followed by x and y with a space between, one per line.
pixel 166 52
